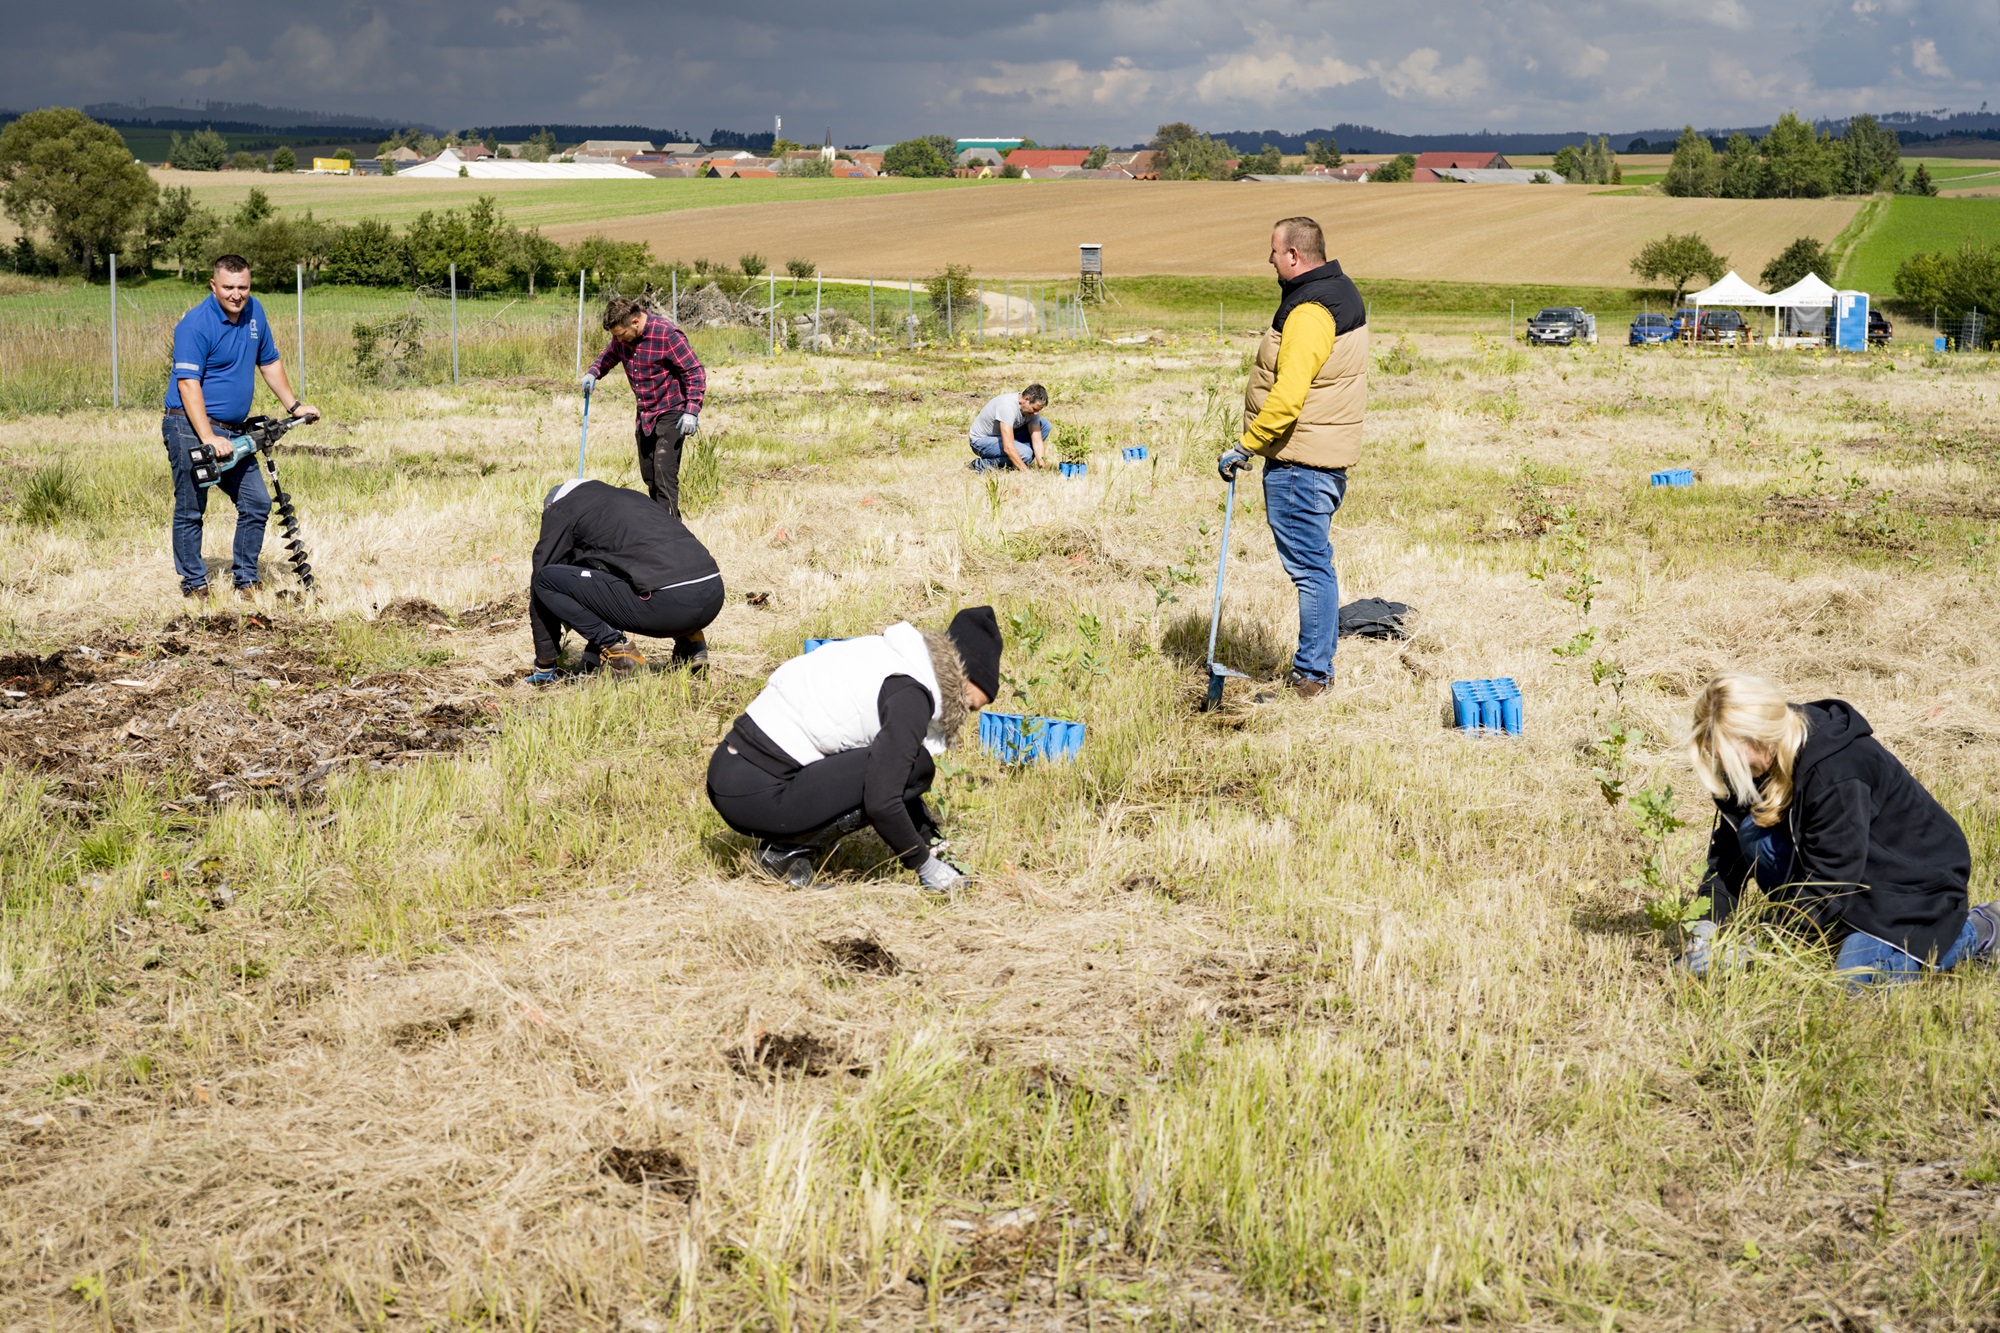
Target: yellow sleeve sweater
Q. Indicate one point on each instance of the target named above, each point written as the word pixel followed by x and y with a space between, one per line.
pixel 1302 349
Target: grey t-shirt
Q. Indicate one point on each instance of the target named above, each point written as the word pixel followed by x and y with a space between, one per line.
pixel 998 418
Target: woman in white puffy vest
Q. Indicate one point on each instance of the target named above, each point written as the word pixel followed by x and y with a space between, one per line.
pixel 846 734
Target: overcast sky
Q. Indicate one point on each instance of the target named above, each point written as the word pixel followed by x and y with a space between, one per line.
pixel 1076 70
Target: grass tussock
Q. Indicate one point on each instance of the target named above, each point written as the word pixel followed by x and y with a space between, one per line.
pixel 346 981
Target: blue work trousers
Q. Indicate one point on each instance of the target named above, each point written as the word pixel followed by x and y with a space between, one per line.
pixel 991 457
pixel 1300 502
pixel 243 484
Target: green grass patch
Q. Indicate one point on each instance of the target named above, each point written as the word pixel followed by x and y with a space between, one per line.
pixel 1914 225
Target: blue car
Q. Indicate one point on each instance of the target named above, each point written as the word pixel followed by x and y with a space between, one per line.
pixel 1651 329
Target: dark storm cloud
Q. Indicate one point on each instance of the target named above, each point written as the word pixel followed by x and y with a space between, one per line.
pixel 1109 69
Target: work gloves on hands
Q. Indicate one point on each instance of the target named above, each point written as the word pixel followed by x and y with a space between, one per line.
pixel 1232 463
pixel 690 423
pixel 589 382
pixel 1704 953
pixel 940 876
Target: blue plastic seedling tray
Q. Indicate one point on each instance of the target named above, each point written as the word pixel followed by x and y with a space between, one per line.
pixel 1016 739
pixel 1073 469
pixel 1134 453
pixel 814 643
pixel 1679 476
pixel 1487 707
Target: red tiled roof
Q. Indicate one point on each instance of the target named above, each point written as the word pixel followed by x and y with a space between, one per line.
pixel 1047 157
pixel 1475 161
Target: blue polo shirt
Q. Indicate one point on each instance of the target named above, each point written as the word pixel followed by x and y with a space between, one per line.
pixel 223 356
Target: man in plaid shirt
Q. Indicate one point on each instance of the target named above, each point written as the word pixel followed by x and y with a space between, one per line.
pixel 667 379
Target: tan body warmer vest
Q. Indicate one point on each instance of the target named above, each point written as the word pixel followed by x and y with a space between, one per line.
pixel 1328 430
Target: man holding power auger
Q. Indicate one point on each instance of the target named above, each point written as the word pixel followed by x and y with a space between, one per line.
pixel 220 347
pixel 1302 413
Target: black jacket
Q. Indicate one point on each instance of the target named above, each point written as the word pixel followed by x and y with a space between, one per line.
pixel 897 766
pixel 624 534
pixel 1327 286
pixel 1873 851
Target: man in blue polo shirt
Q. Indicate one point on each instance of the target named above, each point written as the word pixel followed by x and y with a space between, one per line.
pixel 220 347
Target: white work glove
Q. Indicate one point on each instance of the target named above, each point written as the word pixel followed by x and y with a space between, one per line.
pixel 1699 954
pixel 940 876
pixel 589 382
pixel 690 423
pixel 1232 463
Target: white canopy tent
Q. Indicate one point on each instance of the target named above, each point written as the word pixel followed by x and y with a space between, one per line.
pixel 1803 307
pixel 1732 290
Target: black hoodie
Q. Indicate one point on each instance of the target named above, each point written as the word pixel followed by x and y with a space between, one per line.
pixel 1874 851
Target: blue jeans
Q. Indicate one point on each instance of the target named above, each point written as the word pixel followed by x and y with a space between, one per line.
pixel 993 458
pixel 1300 502
pixel 1865 960
pixel 1768 850
pixel 243 484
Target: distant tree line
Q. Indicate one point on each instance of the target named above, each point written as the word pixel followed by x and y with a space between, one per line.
pixel 1793 161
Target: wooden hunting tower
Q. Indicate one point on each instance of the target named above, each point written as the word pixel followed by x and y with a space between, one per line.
pixel 1090 276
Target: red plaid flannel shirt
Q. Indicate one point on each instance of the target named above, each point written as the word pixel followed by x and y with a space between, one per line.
pixel 666 375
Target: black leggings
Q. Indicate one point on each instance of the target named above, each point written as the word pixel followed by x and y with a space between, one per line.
pixel 604 609
pixel 761 805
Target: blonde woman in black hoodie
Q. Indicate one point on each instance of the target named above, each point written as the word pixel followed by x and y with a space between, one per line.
pixel 1834 831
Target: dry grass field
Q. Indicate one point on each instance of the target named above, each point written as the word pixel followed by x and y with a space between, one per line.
pixel 346 982
pixel 1488 233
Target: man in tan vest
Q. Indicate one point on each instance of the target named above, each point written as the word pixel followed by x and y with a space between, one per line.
pixel 1302 413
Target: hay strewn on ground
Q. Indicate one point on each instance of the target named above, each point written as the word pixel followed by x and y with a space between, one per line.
pixel 1252 1019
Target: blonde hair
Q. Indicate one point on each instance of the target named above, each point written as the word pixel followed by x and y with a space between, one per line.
pixel 1734 710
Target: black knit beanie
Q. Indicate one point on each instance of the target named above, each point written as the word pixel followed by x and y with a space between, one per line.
pixel 975 632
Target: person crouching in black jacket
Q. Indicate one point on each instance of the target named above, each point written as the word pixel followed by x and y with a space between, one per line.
pixel 611 562
pixel 1834 831
pixel 845 734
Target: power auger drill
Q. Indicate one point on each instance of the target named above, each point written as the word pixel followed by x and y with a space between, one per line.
pixel 258 437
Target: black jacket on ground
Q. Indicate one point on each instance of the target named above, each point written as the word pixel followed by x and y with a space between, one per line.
pixel 624 534
pixel 1873 850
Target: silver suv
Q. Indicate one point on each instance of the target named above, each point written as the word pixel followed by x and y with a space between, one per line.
pixel 1563 324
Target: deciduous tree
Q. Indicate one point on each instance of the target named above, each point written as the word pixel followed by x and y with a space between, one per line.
pixel 73 180
pixel 1677 258
pixel 1803 256
pixel 1184 153
pixel 1694 172
pixel 918 157
pixel 204 150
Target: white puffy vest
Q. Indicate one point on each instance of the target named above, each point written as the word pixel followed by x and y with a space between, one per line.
pixel 825 701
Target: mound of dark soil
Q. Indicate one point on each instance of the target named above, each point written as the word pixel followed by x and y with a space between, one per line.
pixel 223 707
pixel 863 954
pixel 660 1169
pixel 779 1052
pixel 23 675
pixel 415 612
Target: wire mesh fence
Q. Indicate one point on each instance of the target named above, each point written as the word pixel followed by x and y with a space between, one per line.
pixel 65 346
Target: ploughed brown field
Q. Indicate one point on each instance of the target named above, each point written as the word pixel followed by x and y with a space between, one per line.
pixel 1483 233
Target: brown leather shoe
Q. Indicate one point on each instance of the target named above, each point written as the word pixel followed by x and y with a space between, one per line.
pixel 1305 687
pixel 621 659
pixel 248 591
pixel 201 594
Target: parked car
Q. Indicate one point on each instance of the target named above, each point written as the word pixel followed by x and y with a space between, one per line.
pixel 1720 326
pixel 1563 324
pixel 1879 328
pixel 1651 329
